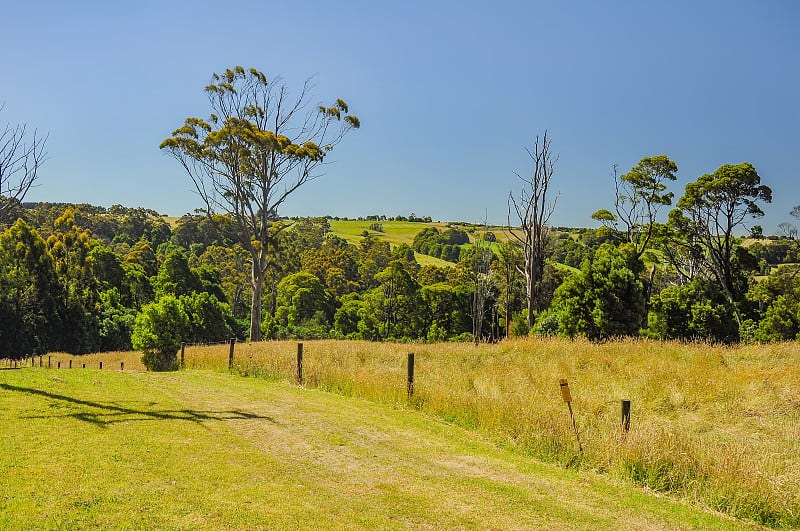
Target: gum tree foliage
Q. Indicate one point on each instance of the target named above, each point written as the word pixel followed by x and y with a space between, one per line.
pixel 21 155
pixel 300 297
pixel 711 209
pixel 532 209
pixel 175 277
pixel 258 146
pixel 640 194
pixel 209 320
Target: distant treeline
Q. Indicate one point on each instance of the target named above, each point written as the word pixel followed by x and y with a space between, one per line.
pixel 76 278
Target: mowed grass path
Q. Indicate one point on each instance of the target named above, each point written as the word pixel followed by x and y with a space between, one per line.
pixel 206 450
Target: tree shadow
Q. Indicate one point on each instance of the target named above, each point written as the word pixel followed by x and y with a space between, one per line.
pixel 113 413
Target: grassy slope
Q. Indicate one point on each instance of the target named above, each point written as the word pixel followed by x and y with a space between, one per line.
pixel 201 449
pixel 394 232
pixel 399 232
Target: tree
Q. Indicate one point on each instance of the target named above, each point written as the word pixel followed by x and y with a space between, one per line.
pixel 481 280
pixel 394 309
pixel 604 300
pixel 258 146
pixel 640 194
pixel 209 319
pixel 639 197
pixel 712 207
pixel 533 209
pixel 21 155
pixel 300 297
pixel 230 263
pixel 30 305
pixel 175 277
pixel 697 310
pixel 509 264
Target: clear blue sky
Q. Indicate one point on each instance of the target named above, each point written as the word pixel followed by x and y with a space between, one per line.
pixel 449 94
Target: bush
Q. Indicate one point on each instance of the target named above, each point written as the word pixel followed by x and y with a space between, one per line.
pixel 546 324
pixel 209 319
pixel 158 332
pixel 269 326
pixel 519 325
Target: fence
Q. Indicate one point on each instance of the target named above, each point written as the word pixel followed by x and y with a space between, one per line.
pixel 263 360
pixel 48 362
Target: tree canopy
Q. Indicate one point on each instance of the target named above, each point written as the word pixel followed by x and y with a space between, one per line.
pixel 258 146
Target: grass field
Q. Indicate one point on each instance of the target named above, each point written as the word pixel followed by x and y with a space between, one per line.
pixel 394 232
pixel 202 449
pixel 715 426
pixel 399 232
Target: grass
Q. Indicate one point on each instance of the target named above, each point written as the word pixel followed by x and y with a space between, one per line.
pixel 203 449
pixel 716 426
pixel 394 232
pixel 400 232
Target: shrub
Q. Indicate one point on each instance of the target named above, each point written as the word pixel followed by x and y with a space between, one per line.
pixel 209 319
pixel 158 331
pixel 546 324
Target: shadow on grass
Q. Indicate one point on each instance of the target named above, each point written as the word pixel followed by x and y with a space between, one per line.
pixel 113 414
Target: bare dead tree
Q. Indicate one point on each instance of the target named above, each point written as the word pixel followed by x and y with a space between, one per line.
pixel 21 155
pixel 533 208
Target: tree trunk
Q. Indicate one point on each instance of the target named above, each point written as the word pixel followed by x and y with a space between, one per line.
pixel 648 292
pixel 257 282
pixel 508 323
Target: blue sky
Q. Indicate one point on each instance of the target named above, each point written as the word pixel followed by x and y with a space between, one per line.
pixel 449 95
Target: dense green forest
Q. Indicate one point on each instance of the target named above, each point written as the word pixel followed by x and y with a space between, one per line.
pixel 75 278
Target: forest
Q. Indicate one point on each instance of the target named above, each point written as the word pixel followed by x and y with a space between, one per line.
pixel 81 278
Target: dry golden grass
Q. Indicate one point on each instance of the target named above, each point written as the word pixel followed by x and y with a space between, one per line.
pixel 719 426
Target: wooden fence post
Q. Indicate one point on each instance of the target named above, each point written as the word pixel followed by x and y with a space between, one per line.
pixel 183 348
pixel 84 365
pixel 48 362
pixel 410 383
pixel 122 365
pixel 101 365
pixel 59 365
pixel 567 396
pixel 626 415
pixel 300 364
pixel 70 364
pixel 230 357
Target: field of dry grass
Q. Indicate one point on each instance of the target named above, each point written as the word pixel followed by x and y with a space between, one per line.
pixel 718 426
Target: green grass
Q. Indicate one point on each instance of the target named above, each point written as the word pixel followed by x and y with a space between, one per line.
pixel 206 450
pixel 394 232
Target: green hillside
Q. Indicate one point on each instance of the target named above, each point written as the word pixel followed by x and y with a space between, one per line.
pixel 205 450
pixel 400 232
